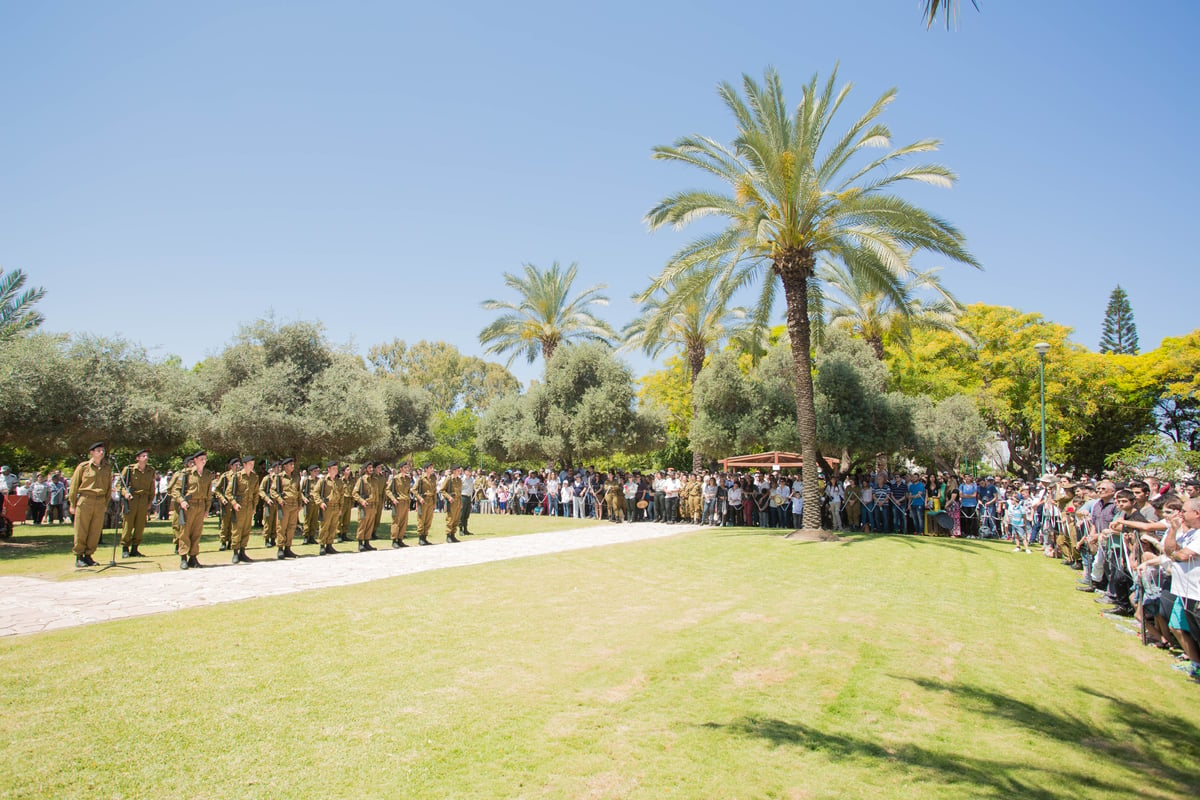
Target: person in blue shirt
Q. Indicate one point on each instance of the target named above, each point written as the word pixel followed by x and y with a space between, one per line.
pixel 969 490
pixel 916 504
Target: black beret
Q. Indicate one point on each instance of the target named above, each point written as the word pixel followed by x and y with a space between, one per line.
pixel 329 464
pixel 197 454
pixel 288 460
pixel 97 445
pixel 247 459
pixel 234 460
pixel 427 466
pixel 139 452
pixel 312 467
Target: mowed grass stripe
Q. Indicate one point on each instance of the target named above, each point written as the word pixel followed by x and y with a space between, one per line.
pixel 717 664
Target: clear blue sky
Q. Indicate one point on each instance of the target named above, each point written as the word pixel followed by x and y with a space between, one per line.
pixel 170 171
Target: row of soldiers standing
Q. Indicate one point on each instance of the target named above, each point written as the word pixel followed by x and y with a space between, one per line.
pixel 327 499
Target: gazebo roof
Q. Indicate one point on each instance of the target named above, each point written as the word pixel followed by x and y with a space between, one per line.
pixel 774 458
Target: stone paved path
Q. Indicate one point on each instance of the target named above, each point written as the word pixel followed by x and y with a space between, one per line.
pixel 31 605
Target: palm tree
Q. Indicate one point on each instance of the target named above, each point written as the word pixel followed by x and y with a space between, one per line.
pixel 694 315
pixel 16 310
pixel 876 317
pixel 949 9
pixel 545 317
pixel 792 198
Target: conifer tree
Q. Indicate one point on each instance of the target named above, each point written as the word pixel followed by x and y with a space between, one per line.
pixel 1120 331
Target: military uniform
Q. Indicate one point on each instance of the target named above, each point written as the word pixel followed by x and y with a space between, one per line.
pixel 343 525
pixel 614 499
pixel 312 508
pixel 696 501
pixel 368 499
pixel 169 499
pixel 243 490
pixel 328 492
pixel 221 491
pixel 194 488
pixel 286 495
pixel 269 484
pixel 140 485
pixel 399 492
pixel 427 492
pixel 452 494
pixel 91 486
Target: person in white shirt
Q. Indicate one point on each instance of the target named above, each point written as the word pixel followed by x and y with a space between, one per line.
pixel 671 488
pixel 566 494
pixel 1182 546
pixel 835 495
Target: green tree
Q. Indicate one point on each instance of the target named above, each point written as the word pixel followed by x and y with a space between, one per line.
pixel 1154 454
pixel 998 367
pixel 546 315
pixel 284 390
pixel 693 316
pixel 948 433
pixel 1119 334
pixel 854 303
pixel 857 417
pixel 453 380
pixel 586 409
pixel 792 198
pixel 16 307
pixel 61 394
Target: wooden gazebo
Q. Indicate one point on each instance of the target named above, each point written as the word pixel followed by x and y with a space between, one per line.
pixel 774 460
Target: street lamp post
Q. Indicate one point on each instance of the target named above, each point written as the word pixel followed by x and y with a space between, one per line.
pixel 1042 348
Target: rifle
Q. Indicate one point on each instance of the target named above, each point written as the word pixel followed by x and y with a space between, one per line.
pixel 182 497
pixel 124 485
pixel 234 492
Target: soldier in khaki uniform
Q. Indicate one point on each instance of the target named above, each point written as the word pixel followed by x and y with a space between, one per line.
pixel 614 498
pixel 368 499
pixel 220 491
pixel 286 495
pixel 452 494
pixel 242 492
pixel 399 492
pixel 312 507
pixel 137 487
pixel 695 499
pixel 91 486
pixel 171 484
pixel 328 493
pixel 347 478
pixel 426 500
pixel 193 494
pixel 267 488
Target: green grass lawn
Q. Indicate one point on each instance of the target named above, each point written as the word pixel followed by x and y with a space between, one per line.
pixel 716 664
pixel 45 551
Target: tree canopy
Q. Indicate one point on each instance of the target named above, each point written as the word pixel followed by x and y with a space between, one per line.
pixel 586 409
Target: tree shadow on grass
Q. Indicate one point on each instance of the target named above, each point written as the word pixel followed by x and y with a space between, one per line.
pixel 974 776
pixel 1141 740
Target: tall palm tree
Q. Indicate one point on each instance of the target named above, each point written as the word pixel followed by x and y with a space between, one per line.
pixel 861 308
pixel 693 315
pixel 16 310
pixel 950 10
pixel 546 316
pixel 790 198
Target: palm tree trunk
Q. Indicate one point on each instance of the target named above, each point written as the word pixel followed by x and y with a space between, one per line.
pixel 876 343
pixel 794 273
pixel 695 363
